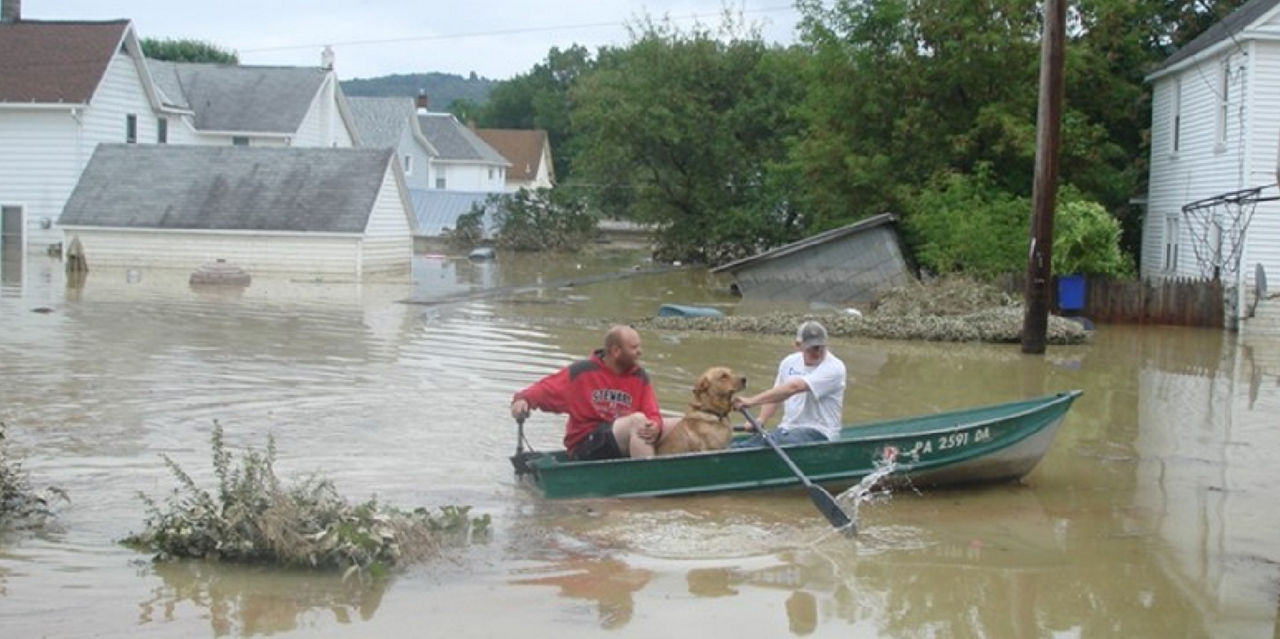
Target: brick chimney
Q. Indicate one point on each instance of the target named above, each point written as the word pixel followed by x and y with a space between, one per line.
pixel 422 102
pixel 11 11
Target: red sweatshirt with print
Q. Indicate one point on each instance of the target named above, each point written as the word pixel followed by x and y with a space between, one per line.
pixel 592 394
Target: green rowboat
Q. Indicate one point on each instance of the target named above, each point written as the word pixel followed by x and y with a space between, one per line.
pixel 1000 442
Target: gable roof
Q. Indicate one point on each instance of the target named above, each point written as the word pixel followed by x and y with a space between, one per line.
pixel 56 62
pixel 806 243
pixel 522 147
pixel 381 121
pixel 228 97
pixel 456 142
pixel 228 188
pixel 1227 28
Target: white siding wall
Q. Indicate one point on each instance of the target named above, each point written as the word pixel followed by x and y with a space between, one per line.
pixel 1263 240
pixel 422 177
pixel 471 177
pixel 39 166
pixel 45 151
pixel 253 251
pixel 388 244
pixel 1202 166
pixel 323 124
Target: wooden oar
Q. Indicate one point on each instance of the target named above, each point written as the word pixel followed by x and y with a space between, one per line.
pixel 825 503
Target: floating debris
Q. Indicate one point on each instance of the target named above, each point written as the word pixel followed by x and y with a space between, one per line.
pixel 219 273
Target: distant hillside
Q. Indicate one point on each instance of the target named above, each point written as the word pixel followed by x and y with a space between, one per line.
pixel 441 88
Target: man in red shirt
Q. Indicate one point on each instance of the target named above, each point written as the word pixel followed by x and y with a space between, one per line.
pixel 611 406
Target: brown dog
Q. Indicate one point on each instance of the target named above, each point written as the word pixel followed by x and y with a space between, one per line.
pixel 706 424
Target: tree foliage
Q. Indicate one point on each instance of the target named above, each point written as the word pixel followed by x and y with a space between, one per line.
pixel 919 107
pixel 187 50
pixel 540 100
pixel 679 130
pixel 542 220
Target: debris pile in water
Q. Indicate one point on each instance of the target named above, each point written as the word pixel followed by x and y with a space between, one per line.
pixel 946 310
pixel 21 505
pixel 252 518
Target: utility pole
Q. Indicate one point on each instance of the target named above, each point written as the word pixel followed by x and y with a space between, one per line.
pixel 1035 324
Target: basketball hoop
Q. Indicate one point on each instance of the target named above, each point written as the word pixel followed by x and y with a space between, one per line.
pixel 1217 226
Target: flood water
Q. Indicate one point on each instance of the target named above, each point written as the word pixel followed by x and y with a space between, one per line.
pixel 1151 516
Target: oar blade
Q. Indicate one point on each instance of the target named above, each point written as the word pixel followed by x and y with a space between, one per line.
pixel 828 507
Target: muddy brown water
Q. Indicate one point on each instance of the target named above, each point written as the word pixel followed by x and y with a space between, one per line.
pixel 1152 516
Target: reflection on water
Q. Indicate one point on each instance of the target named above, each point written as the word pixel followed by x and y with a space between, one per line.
pixel 606 581
pixel 1151 515
pixel 247 602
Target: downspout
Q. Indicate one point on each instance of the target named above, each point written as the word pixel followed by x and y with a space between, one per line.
pixel 1242 175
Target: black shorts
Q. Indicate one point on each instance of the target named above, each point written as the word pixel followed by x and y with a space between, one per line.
pixel 600 444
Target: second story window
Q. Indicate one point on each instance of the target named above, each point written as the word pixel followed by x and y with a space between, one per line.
pixel 1176 123
pixel 439 183
pixel 131 129
pixel 240 140
pixel 162 131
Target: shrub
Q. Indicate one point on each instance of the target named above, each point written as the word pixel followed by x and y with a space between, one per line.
pixel 962 222
pixel 543 220
pixel 253 518
pixel 469 231
pixel 1086 241
pixel 21 506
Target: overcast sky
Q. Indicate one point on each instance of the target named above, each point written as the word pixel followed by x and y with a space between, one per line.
pixel 496 39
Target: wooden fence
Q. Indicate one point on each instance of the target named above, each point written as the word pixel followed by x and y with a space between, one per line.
pixel 1174 302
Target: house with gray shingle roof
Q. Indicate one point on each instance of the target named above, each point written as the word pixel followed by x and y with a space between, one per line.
pixel 295 209
pixel 1215 128
pixel 464 162
pixel 67 86
pixel 448 167
pixel 255 105
pixel 393 123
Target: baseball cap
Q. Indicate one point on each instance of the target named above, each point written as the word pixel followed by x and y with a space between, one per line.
pixel 810 334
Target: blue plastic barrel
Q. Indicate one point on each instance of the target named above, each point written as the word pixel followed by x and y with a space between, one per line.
pixel 1071 292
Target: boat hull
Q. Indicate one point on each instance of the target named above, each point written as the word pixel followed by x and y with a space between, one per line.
pixel 983 444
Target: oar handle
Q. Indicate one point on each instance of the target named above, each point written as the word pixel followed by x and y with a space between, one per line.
pixel 785 457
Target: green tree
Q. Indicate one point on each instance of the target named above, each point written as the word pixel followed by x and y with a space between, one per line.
pixel 682 130
pixel 187 50
pixel 540 99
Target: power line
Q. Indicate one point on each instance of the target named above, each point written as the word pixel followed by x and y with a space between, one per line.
pixel 501 32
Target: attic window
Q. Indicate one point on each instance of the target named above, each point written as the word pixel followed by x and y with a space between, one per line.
pixel 162 130
pixel 408 165
pixel 131 129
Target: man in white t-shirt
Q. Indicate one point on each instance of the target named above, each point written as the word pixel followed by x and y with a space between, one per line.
pixel 810 385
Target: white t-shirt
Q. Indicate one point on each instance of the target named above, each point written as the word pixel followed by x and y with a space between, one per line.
pixel 822 406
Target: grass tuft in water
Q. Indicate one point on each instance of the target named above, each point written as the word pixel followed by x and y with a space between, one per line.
pixel 252 517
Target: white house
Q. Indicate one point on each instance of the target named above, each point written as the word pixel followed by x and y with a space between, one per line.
pixel 1214 131
pixel 254 105
pixel 67 86
pixel 529 152
pixel 393 123
pixel 464 162
pixel 316 210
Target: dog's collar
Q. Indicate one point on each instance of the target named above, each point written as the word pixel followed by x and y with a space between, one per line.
pixel 724 415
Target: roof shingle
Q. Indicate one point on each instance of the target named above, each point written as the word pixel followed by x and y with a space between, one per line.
pixel 228 188
pixel 56 62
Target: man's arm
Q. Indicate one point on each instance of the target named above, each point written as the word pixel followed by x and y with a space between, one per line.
pixel 549 394
pixel 769 400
